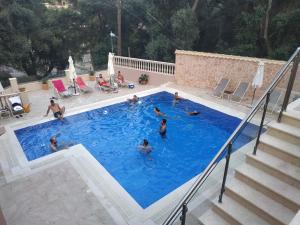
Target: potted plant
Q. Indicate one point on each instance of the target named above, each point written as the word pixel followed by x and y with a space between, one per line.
pixel 143 79
pixel 92 76
pixel 45 85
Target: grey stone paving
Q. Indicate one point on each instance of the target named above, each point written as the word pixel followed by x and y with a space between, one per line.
pixel 55 195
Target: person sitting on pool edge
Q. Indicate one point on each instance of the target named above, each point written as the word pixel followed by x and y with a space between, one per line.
pixel 158 112
pixel 163 128
pixel 193 113
pixel 134 99
pixel 58 111
pixel 145 147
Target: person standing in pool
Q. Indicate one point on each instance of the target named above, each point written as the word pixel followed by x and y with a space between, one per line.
pixel 163 128
pixel 177 97
pixel 145 147
pixel 54 146
pixel 58 111
pixel 158 112
pixel 134 99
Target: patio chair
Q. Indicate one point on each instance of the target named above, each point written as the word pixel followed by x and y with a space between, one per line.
pixel 82 86
pixel 60 89
pixel 16 105
pixel 104 87
pixel 240 92
pixel 220 88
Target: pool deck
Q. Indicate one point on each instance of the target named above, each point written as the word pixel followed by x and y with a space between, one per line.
pixel 71 187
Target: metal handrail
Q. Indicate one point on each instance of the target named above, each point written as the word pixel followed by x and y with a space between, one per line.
pixel 203 176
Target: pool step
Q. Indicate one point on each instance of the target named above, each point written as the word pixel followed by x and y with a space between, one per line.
pixel 270 186
pixel 260 204
pixel 280 148
pixel 291 118
pixel 285 132
pixel 276 167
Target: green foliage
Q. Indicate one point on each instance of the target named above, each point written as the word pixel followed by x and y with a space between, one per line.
pixel 185 28
pixel 143 78
pixel 4 78
pixel 36 39
pixel 160 49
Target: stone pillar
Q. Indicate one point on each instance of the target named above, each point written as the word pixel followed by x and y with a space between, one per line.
pixel 14 85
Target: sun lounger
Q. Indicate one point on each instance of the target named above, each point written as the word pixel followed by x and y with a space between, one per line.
pixel 16 105
pixel 240 92
pixel 60 89
pixel 105 88
pixel 82 86
pixel 220 88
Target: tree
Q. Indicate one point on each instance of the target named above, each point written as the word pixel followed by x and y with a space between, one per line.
pixel 185 28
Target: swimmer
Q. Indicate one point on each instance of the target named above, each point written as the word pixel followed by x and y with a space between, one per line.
pixel 54 146
pixel 134 99
pixel 193 113
pixel 158 112
pixel 177 97
pixel 145 147
pixel 163 128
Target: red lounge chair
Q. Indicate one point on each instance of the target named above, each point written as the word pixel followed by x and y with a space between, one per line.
pixel 60 89
pixel 81 85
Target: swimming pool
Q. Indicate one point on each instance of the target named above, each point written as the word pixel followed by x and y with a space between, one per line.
pixel 111 134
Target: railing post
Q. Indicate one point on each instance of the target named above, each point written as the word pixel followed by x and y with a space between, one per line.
pixel 225 171
pixel 183 215
pixel 290 85
pixel 262 122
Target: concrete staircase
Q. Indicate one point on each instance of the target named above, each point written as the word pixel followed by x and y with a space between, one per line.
pixel 266 188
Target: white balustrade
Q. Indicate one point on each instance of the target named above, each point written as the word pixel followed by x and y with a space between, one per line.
pixel 145 65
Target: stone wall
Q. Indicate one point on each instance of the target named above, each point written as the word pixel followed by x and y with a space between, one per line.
pixel 133 74
pixel 204 70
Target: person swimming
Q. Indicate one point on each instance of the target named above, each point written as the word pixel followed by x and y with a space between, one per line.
pixel 163 128
pixel 193 113
pixel 134 99
pixel 158 112
pixel 145 147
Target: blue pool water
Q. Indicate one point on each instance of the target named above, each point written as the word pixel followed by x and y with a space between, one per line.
pixel 111 134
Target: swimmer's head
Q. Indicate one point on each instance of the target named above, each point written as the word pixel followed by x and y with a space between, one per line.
pixel 53 140
pixel 145 142
pixel 164 121
pixel 156 109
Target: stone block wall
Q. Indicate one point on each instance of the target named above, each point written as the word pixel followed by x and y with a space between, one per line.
pixel 204 70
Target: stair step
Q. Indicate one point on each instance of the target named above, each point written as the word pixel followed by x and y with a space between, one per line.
pixel 270 210
pixel 276 167
pixel 270 186
pixel 280 148
pixel 284 131
pixel 291 118
pixel 212 218
pixel 235 213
